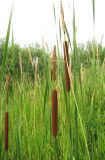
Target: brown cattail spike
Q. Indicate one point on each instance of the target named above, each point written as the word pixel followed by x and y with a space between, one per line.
pixel 54 113
pixel 66 65
pixel 6 131
pixel 53 64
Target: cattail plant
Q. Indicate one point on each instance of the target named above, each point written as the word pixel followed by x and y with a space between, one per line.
pixel 53 64
pixel 6 116
pixel 65 49
pixel 54 112
pixel 66 65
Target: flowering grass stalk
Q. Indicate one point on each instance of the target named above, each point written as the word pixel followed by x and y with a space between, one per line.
pixel 66 64
pixel 53 64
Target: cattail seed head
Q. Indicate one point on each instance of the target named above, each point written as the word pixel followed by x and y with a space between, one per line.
pixel 53 64
pixel 66 65
pixel 54 112
pixel 6 127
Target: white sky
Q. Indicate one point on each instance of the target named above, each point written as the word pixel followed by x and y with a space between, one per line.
pixel 33 19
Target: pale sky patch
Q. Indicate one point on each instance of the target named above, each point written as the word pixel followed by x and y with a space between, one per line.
pixel 33 19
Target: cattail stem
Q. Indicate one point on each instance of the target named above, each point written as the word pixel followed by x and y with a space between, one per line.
pixel 6 127
pixel 8 79
pixel 66 64
pixel 54 113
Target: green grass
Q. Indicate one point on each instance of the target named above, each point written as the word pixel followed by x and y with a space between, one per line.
pixel 30 134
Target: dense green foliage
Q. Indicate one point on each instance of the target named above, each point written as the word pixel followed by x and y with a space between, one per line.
pixel 85 54
pixel 28 55
pixel 30 135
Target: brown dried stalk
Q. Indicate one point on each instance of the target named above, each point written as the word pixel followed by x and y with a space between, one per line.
pixel 53 64
pixel 54 113
pixel 6 131
pixel 62 17
pixel 36 69
pixel 66 64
